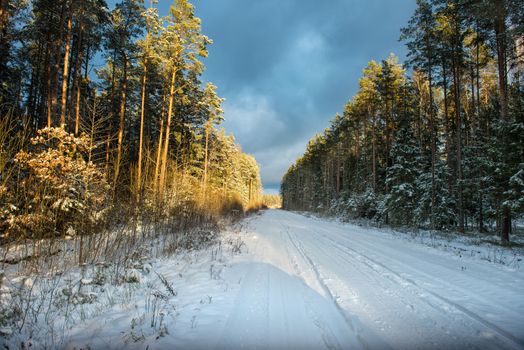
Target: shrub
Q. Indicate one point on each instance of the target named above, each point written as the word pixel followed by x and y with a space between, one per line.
pixel 61 187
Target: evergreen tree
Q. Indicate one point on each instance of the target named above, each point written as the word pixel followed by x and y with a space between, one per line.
pixel 403 198
pixel 181 46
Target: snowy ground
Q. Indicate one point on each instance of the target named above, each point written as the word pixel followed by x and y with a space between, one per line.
pixel 282 280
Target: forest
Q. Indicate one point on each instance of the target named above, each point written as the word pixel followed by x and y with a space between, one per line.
pixel 105 123
pixel 436 142
pixel 130 218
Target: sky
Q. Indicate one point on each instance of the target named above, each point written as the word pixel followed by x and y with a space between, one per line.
pixel 286 67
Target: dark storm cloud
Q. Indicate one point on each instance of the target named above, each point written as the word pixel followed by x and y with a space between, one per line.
pixel 286 67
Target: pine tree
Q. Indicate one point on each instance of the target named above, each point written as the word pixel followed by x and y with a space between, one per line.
pixel 153 28
pixel 182 45
pixel 423 55
pixel 127 25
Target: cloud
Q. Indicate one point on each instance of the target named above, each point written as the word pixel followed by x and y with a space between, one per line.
pixel 253 121
pixel 286 67
pixel 277 160
pixel 262 132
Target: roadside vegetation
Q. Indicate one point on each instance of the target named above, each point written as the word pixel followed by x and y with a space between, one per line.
pixel 104 167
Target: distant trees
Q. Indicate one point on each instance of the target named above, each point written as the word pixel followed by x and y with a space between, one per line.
pixel 149 124
pixel 272 200
pixel 441 149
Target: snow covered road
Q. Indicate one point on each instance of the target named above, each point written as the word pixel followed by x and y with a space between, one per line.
pixel 311 283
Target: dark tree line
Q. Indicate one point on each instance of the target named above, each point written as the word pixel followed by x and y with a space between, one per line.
pixel 442 148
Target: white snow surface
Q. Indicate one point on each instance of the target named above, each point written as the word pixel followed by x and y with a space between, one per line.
pixel 308 283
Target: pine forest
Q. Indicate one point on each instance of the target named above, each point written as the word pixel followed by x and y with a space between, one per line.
pixel 105 120
pixel 436 142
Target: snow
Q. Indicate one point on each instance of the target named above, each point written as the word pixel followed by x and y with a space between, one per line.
pixel 283 280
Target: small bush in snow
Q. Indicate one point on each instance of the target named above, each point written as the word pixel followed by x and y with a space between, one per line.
pixel 60 186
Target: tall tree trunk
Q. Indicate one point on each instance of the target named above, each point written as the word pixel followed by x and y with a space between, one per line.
pixel 142 111
pixel 113 86
pixel 89 159
pixel 206 159
pixel 65 74
pixel 54 79
pixel 389 115
pixel 122 120
pixel 477 76
pixel 31 100
pixel 77 106
pixel 78 75
pixel 141 138
pixel 433 138
pixel 500 33
pixel 86 64
pixel 41 92
pixel 49 96
pixel 474 124
pixel 159 148
pixel 108 150
pixel 448 125
pixel 163 169
pixel 458 122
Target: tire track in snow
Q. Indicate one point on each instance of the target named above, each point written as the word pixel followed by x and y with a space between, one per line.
pixel 385 336
pixel 407 267
pixel 346 315
pixel 326 334
pixel 275 308
pixel 299 272
pixel 380 268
